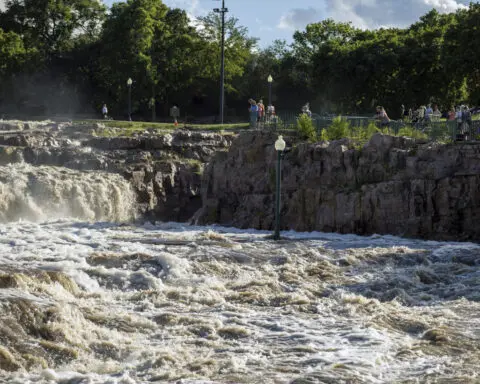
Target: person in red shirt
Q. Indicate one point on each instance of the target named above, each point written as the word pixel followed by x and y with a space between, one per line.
pixel 261 110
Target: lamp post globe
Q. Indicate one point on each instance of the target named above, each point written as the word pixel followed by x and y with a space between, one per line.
pixel 279 148
pixel 129 85
pixel 280 144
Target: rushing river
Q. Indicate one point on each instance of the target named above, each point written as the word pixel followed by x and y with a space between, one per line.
pixel 86 300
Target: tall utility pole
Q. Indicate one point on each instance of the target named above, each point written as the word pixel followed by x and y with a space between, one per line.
pixel 223 11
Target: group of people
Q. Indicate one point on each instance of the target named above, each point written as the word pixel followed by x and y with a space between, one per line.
pixel 421 114
pixel 463 116
pixel 258 114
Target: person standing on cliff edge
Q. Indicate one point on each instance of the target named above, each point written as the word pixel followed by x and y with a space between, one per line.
pixel 105 111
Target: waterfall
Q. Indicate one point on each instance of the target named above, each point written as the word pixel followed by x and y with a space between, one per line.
pixel 47 193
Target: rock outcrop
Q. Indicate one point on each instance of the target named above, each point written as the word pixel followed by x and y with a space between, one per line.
pixel 164 168
pixel 392 185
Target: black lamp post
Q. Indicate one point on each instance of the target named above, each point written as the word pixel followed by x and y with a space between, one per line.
pixel 129 85
pixel 223 11
pixel 279 147
pixel 270 81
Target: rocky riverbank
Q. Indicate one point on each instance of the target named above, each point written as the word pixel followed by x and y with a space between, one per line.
pixel 164 168
pixel 391 185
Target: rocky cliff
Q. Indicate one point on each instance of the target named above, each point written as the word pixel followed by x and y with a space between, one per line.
pixel 391 185
pixel 164 168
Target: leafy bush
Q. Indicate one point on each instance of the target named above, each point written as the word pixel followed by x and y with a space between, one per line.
pixel 305 128
pixel 365 132
pixel 339 129
pixel 387 130
pixel 324 135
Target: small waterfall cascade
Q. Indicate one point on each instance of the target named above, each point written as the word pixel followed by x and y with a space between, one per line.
pixel 48 193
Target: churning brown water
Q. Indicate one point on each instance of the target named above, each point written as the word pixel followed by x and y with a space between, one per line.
pixel 89 302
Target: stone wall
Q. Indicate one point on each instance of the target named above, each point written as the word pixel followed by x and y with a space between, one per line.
pixel 391 185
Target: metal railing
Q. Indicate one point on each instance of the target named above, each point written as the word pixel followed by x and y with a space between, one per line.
pixel 440 130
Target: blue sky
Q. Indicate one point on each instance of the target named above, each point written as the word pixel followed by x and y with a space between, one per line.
pixel 278 19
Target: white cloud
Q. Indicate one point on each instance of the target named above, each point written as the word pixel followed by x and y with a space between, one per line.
pixel 445 5
pixel 192 7
pixel 298 18
pixel 2 5
pixel 375 13
pixel 368 13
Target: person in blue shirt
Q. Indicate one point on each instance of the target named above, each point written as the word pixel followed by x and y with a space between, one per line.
pixel 253 109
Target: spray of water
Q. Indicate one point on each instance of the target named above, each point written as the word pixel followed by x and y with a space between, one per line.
pixel 46 193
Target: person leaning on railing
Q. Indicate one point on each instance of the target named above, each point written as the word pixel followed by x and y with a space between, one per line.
pixel 381 117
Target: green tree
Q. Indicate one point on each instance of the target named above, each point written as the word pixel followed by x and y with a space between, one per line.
pixel 15 59
pixel 12 54
pixel 460 55
pixel 50 25
pixel 128 51
pixel 239 47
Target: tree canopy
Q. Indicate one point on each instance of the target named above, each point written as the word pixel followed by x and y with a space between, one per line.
pixel 71 56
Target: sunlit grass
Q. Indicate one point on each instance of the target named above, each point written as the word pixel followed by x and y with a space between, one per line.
pixel 143 125
pixel 113 128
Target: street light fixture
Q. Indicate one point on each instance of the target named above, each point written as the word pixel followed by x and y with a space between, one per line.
pixel 279 147
pixel 223 11
pixel 270 81
pixel 129 85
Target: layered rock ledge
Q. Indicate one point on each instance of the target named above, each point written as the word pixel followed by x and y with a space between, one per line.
pixel 164 168
pixel 391 185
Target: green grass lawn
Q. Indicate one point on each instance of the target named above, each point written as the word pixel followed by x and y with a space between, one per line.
pixel 129 128
pixel 142 125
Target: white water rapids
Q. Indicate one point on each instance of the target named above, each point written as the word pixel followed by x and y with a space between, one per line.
pixel 40 193
pixel 88 301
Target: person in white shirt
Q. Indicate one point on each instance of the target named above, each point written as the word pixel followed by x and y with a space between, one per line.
pixel 270 113
pixel 105 111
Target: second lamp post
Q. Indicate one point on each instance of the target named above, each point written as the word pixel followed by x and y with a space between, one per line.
pixel 129 85
pixel 279 147
pixel 270 81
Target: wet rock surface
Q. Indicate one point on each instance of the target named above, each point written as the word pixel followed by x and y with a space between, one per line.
pixel 390 185
pixel 163 167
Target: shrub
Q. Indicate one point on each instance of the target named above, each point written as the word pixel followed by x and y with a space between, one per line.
pixel 387 130
pixel 324 135
pixel 365 132
pixel 305 128
pixel 339 129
